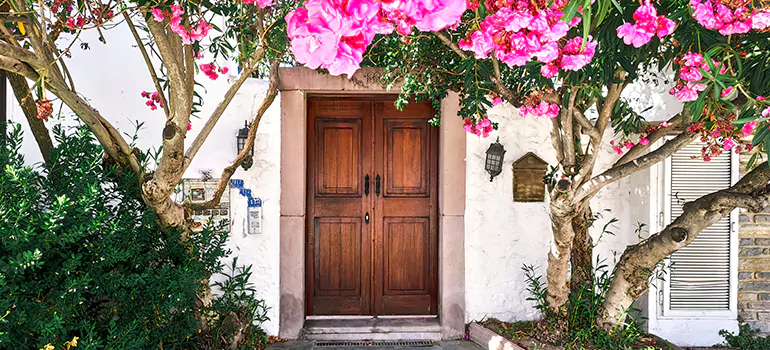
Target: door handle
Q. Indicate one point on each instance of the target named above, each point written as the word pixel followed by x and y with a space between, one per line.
pixel 377 185
pixel 366 217
pixel 366 185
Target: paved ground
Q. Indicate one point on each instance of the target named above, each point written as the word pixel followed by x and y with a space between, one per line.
pixel 443 345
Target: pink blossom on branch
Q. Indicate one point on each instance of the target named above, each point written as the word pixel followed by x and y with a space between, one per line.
pixel 713 14
pixel 334 34
pixel 648 24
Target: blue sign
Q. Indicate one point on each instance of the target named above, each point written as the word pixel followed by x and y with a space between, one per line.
pixel 236 183
pixel 255 202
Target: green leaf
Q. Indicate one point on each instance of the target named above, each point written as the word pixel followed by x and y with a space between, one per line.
pixel 570 11
pixel 604 9
pixel 586 21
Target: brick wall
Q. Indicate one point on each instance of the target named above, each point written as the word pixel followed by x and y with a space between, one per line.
pixel 754 265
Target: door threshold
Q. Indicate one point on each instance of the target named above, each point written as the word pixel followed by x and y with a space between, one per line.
pixel 367 317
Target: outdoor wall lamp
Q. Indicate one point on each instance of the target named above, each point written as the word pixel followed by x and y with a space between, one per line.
pixel 243 134
pixel 494 163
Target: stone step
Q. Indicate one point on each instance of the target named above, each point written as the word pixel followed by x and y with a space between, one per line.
pixel 373 328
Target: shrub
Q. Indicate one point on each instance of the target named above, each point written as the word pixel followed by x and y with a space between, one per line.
pixel 576 327
pixel 81 256
pixel 746 339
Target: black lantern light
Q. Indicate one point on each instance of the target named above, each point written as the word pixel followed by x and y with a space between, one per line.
pixel 494 164
pixel 243 134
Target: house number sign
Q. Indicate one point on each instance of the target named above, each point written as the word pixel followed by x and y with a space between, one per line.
pixel 255 215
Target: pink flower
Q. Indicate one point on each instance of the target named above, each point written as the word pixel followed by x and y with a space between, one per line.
pixel 629 144
pixel 712 14
pixel 543 109
pixel 729 144
pixel 157 14
pixel 648 24
pixel 617 149
pixel 760 21
pixel 549 70
pixel 497 101
pixel 644 141
pixel 577 56
pixel 687 92
pixel 748 128
pixel 761 98
pixel 664 124
pixel 727 92
pixel 189 126
pixel 210 70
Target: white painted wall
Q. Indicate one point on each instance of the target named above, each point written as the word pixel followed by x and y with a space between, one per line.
pixel 502 235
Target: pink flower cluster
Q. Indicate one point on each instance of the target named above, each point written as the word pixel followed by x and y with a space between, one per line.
pixel 648 24
pixel 334 34
pixel 690 74
pixel 713 14
pixel 152 99
pixel 525 30
pixel 211 70
pixel 44 109
pixel 260 3
pixel 196 33
pixel 542 109
pixel 479 128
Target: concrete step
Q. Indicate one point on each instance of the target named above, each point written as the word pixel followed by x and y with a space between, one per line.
pixel 373 328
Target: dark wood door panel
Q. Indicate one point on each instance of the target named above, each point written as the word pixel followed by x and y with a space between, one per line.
pixel 406 233
pixel 372 254
pixel 406 158
pixel 338 157
pixel 337 256
pixel 406 243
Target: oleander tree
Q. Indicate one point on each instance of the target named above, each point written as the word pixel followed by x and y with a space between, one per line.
pixel 568 62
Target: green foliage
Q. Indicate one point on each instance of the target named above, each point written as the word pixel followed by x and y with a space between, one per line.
pixel 81 256
pixel 746 339
pixel 580 314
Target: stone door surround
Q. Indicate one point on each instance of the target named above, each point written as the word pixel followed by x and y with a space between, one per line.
pixel 295 85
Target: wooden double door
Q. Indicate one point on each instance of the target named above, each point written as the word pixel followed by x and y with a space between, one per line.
pixel 372 231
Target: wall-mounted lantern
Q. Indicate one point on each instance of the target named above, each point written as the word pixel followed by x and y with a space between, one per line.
pixel 243 134
pixel 494 163
pixel 528 173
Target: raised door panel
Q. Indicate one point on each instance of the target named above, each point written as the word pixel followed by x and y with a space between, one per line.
pixel 338 256
pixel 406 158
pixel 407 251
pixel 338 157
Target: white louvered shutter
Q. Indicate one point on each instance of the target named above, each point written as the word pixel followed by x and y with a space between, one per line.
pixel 700 277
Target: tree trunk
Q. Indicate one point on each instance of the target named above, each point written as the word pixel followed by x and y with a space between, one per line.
pixel 632 273
pixel 27 103
pixel 557 272
pixel 581 259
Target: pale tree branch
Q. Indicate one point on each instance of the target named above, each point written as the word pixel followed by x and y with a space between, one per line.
pixel 219 110
pixel 605 109
pixel 556 141
pixel 27 103
pixel 616 173
pixel 148 62
pixel 635 266
pixel 568 139
pixel 109 137
pixel 585 124
pixel 656 135
pixel 451 44
pixel 228 172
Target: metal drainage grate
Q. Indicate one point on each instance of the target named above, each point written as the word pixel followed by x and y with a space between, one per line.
pixel 351 344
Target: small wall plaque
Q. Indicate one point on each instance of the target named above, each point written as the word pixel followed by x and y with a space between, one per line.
pixel 528 173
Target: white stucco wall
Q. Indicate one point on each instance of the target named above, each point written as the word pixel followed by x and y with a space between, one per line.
pixel 502 235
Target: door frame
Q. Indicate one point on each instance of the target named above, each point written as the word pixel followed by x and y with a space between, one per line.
pixel 295 84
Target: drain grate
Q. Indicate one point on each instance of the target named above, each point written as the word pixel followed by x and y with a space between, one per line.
pixel 351 344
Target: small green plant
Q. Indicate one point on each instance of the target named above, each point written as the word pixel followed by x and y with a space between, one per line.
pixel 576 327
pixel 746 339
